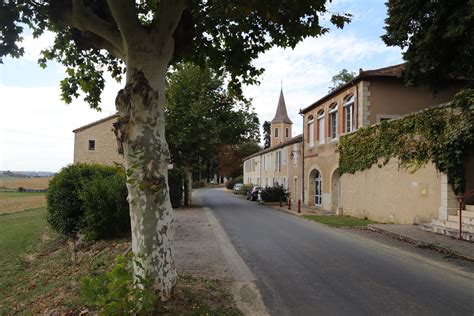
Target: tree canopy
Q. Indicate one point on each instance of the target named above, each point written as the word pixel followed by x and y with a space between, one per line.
pixel 341 78
pixel 95 36
pixel 267 134
pixel 437 36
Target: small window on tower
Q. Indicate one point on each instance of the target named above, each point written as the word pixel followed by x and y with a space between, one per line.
pixel 287 133
pixel 276 132
pixel 91 144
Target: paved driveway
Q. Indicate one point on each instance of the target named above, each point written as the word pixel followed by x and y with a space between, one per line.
pixel 304 268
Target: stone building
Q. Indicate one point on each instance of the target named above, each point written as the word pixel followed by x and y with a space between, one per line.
pixel 95 143
pixel 281 163
pixel 384 194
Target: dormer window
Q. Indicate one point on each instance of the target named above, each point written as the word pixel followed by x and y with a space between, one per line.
pixel 276 132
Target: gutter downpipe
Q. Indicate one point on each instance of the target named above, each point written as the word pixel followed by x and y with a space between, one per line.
pixel 302 160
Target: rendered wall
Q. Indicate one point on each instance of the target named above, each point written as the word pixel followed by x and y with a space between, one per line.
pixel 390 195
pixel 106 151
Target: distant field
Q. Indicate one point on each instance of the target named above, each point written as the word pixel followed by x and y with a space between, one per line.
pixel 12 202
pixel 27 183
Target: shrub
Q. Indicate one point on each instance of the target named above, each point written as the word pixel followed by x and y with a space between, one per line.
pixel 245 189
pixel 21 189
pixel 239 179
pixel 105 207
pixel 116 293
pixel 229 184
pixel 175 183
pixel 69 214
pixel 275 193
pixel 199 184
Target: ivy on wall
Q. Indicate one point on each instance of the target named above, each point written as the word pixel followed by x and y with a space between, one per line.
pixel 442 135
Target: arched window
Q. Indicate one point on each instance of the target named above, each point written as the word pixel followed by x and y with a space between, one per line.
pixel 333 121
pixel 310 130
pixel 349 114
pixel 287 132
pixel 321 136
pixel 318 188
pixel 276 132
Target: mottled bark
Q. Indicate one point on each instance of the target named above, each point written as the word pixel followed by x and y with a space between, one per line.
pixel 141 129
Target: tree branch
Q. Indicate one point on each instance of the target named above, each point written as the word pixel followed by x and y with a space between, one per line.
pixel 125 15
pixel 86 40
pixel 86 20
pixel 83 19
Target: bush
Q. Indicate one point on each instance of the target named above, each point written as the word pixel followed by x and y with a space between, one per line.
pixel 199 184
pixel 21 189
pixel 81 194
pixel 275 193
pixel 175 183
pixel 116 293
pixel 245 189
pixel 239 179
pixel 105 207
pixel 229 184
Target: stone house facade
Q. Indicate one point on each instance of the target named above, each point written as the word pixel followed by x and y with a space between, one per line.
pixel 95 143
pixel 281 163
pixel 384 194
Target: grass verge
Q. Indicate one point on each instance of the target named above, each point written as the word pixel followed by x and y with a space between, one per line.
pixel 42 273
pixel 339 221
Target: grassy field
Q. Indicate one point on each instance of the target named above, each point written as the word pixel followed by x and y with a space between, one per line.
pixel 12 202
pixel 28 183
pixel 339 221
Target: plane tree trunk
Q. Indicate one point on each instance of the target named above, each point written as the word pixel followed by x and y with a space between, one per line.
pixel 189 185
pixel 141 130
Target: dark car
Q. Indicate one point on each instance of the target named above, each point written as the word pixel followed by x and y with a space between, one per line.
pixel 252 195
pixel 238 187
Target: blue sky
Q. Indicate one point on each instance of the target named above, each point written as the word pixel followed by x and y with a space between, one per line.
pixel 36 127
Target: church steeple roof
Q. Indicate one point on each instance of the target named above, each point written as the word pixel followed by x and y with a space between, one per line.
pixel 281 115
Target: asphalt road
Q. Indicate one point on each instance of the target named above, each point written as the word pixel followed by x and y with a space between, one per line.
pixel 304 268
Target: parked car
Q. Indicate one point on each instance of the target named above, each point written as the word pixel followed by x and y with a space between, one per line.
pixel 252 195
pixel 237 187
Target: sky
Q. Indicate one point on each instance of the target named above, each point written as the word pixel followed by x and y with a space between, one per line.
pixel 36 126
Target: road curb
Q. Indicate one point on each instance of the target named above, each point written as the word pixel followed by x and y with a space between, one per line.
pixel 420 242
pixel 244 288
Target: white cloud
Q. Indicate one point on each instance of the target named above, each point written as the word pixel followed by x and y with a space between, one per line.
pixel 36 126
pixel 307 70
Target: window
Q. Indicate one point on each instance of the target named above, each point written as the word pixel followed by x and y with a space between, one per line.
pixel 295 155
pixel 333 121
pixel 287 132
pixel 321 137
pixel 266 182
pixel 91 144
pixel 276 132
pixel 318 183
pixel 311 130
pixel 283 155
pixel 349 114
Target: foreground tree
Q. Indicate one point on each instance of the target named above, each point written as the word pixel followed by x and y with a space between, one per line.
pixel 341 78
pixel 141 38
pixel 438 39
pixel 201 116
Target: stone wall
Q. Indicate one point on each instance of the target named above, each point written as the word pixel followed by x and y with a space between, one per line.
pixel 106 149
pixel 391 195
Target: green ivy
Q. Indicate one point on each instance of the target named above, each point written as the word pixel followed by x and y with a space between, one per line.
pixel 442 135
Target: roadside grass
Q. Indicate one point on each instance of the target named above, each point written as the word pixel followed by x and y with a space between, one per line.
pixel 339 221
pixel 11 202
pixel 42 273
pixel 19 233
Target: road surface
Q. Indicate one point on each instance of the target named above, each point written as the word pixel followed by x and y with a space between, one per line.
pixel 304 268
